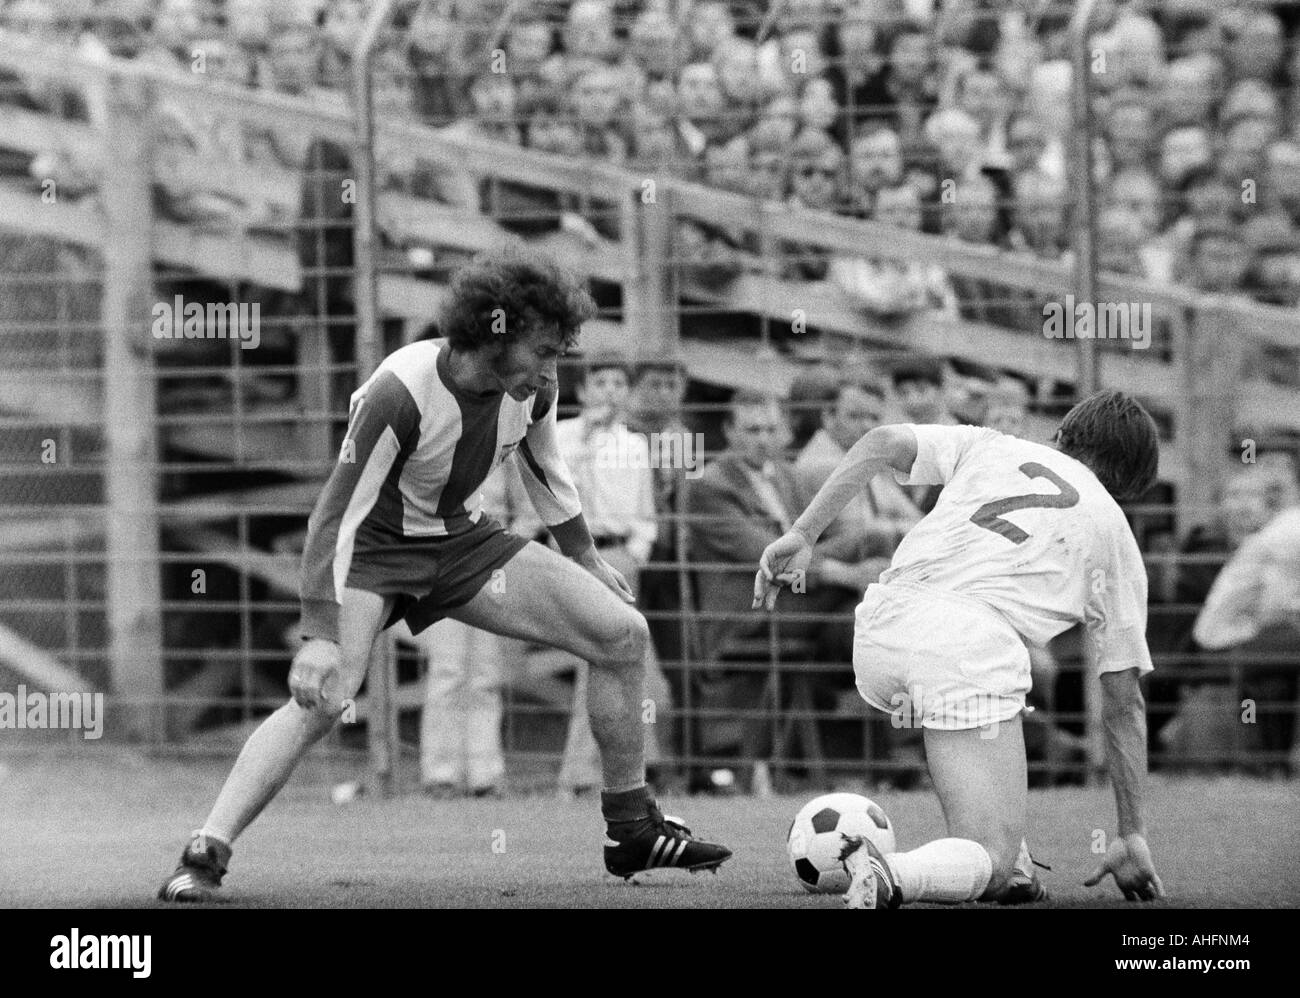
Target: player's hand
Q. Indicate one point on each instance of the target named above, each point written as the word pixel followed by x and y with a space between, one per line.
pixel 607 573
pixel 314 675
pixel 1128 860
pixel 784 561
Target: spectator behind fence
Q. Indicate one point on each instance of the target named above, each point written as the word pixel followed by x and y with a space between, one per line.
pixel 611 469
pixel 1218 261
pixel 747 498
pixel 918 388
pixel 1281 477
pixel 967 387
pixel 1253 612
pixel 875 163
pixel 912 82
pixel 816 179
pixel 893 288
pixel 655 412
pixel 811 390
pixel 1008 406
pixel 1038 221
pixel 1273 243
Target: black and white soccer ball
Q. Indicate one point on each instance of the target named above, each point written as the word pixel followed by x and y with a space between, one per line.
pixel 816 838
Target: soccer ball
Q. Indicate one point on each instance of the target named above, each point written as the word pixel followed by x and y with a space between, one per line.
pixel 817 833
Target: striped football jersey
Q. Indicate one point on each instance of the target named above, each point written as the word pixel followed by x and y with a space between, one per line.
pixel 417 451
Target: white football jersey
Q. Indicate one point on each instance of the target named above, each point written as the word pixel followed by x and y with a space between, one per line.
pixel 1031 533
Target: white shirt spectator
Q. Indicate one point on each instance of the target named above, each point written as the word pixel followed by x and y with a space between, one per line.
pixel 1258 587
pixel 611 469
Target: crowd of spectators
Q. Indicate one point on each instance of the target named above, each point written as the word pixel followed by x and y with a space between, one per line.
pixel 948 117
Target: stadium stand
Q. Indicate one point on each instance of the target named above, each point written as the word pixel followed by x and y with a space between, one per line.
pixel 768 189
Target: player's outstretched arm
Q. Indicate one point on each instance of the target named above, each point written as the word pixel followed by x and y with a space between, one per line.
pixel 786 559
pixel 1128 859
pixel 885 448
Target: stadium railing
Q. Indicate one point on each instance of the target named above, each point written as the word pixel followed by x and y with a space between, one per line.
pixel 103 542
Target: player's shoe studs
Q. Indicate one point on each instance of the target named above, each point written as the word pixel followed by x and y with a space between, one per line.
pixel 872 884
pixel 659 843
pixel 197 877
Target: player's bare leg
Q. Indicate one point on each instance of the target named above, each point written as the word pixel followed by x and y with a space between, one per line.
pixel 272 752
pixel 275 748
pixel 549 599
pixel 981 779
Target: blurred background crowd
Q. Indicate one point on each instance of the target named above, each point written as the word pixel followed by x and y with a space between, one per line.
pixel 864 107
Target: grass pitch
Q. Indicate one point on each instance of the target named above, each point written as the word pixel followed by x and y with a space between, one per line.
pixel 102 828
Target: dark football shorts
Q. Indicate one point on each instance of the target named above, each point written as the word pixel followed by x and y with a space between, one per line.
pixel 428 576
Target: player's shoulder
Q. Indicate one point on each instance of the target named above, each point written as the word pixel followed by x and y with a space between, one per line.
pixel 415 365
pixel 420 354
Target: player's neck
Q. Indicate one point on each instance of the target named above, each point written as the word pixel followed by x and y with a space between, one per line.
pixel 472 372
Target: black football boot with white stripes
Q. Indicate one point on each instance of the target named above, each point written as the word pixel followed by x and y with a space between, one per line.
pixel 657 842
pixel 198 876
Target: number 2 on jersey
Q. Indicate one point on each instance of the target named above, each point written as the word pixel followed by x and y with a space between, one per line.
pixel 989 516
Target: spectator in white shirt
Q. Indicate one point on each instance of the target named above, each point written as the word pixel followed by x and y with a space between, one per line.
pixel 1253 612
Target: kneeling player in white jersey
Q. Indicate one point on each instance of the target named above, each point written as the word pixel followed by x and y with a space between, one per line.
pixel 1024 542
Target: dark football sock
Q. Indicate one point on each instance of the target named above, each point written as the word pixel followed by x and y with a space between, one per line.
pixel 626 805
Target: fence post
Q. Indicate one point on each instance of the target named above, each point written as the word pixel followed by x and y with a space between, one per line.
pixel 1211 372
pixel 648 294
pixel 381 724
pixel 133 589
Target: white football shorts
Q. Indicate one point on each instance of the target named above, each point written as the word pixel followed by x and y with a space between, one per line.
pixel 937 659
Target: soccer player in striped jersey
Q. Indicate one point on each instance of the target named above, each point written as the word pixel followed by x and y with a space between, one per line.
pixel 1025 541
pixel 398 533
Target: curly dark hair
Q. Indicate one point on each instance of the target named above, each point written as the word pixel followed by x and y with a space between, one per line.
pixel 1113 435
pixel 503 296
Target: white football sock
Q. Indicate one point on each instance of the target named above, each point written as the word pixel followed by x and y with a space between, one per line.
pixel 945 871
